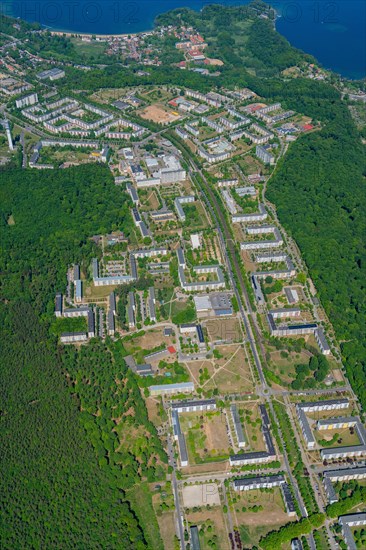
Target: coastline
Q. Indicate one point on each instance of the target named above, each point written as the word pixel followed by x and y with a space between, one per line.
pixel 71 34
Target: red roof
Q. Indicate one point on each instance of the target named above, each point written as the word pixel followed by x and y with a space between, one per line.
pixel 172 349
pixel 255 107
pixel 307 127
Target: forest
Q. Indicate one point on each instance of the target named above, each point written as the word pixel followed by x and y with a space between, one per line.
pixel 62 467
pixel 323 207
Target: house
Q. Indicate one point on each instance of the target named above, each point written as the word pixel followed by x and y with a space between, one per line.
pixel 144 370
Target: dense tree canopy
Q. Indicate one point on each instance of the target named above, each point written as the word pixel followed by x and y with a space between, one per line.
pixel 60 495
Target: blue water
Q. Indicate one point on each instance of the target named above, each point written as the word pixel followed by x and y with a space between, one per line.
pixel 333 31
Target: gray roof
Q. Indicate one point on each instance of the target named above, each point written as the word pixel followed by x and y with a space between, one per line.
pixel 237 424
pixel 195 541
pixel 346 472
pixel 182 448
pixel 180 255
pixel 177 386
pixel 112 301
pixel 329 402
pixel 308 434
pixel 58 302
pixel 193 403
pixel 111 321
pixel 344 450
pixel 249 456
pixel 133 266
pixel 91 321
pixel 76 272
pixel 248 481
pixel 287 495
pixel 322 339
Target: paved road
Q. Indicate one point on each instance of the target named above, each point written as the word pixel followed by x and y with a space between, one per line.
pixel 176 493
pixel 210 196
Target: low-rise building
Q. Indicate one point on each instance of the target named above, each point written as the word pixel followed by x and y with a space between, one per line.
pixel 262 482
pixel 291 295
pixel 91 323
pixel 78 291
pixel 195 540
pixel 248 218
pixel 238 426
pixel 58 305
pixel 151 303
pixel 259 457
pixel 76 312
pixel 171 389
pixel 284 313
pixel 322 341
pixel 348 522
pixel 339 476
pixel 194 406
pixel 73 337
pixel 131 309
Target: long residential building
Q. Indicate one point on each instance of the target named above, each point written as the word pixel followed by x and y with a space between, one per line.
pixel 179 201
pixel 348 522
pixel 316 406
pixel 248 218
pixel 289 330
pixel 151 304
pixel 339 476
pixel 73 337
pixel 171 389
pixel 258 457
pixel 262 482
pixel 202 286
pixel 179 437
pixel 194 406
pixel 111 280
pixel 238 426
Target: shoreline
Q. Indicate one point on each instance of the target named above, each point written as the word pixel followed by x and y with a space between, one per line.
pixel 77 34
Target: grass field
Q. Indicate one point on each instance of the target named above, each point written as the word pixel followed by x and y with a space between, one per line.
pixel 141 502
pixel 253 525
pixel 206 436
pixel 89 49
pixel 211 525
pixel 229 370
pixel 148 341
pixel 224 329
pixel 252 426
